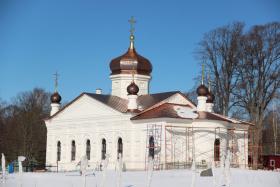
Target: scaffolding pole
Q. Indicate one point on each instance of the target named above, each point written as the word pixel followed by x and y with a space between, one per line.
pixel 154 131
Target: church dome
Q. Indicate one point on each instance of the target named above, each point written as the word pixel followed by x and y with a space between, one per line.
pixel 132 89
pixel 210 97
pixel 55 98
pixel 202 90
pixel 131 61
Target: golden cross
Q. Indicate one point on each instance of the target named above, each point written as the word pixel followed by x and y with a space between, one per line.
pixel 132 21
pixel 56 81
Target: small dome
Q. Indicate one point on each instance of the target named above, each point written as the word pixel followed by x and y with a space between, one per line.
pixel 202 90
pixel 210 97
pixel 131 61
pixel 132 89
pixel 55 98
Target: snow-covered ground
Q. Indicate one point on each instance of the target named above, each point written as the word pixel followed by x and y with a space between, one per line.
pixel 169 178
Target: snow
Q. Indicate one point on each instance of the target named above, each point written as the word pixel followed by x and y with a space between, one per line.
pixel 168 178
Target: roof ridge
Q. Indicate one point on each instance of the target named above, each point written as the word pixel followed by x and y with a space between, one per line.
pixel 174 92
pixel 164 92
pixel 88 93
pixel 230 118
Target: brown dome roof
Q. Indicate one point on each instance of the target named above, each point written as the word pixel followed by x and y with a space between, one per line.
pixel 55 98
pixel 131 61
pixel 202 90
pixel 132 89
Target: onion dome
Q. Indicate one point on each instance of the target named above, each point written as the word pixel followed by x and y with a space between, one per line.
pixel 132 89
pixel 55 98
pixel 131 61
pixel 210 97
pixel 202 90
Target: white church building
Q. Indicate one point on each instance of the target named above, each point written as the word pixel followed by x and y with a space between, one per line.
pixel 138 125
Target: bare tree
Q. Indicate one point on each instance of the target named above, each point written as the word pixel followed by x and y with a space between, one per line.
pixel 2 129
pixel 245 69
pixel 219 49
pixel 258 74
pixel 24 131
pixel 34 107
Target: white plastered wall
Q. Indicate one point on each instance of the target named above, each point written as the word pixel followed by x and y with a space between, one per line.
pixel 89 119
pixel 121 81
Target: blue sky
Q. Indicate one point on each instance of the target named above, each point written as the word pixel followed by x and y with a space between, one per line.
pixel 78 38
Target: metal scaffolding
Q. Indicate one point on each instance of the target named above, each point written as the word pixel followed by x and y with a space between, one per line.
pixel 153 131
pixel 179 145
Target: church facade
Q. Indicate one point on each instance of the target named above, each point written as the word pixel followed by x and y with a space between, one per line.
pixel 138 126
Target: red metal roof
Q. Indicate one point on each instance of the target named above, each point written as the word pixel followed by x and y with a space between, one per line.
pixel 165 110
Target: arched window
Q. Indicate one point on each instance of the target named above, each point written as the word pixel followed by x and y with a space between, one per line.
pixel 120 148
pixel 73 150
pixel 217 149
pixel 58 153
pixel 152 147
pixel 88 149
pixel 103 150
